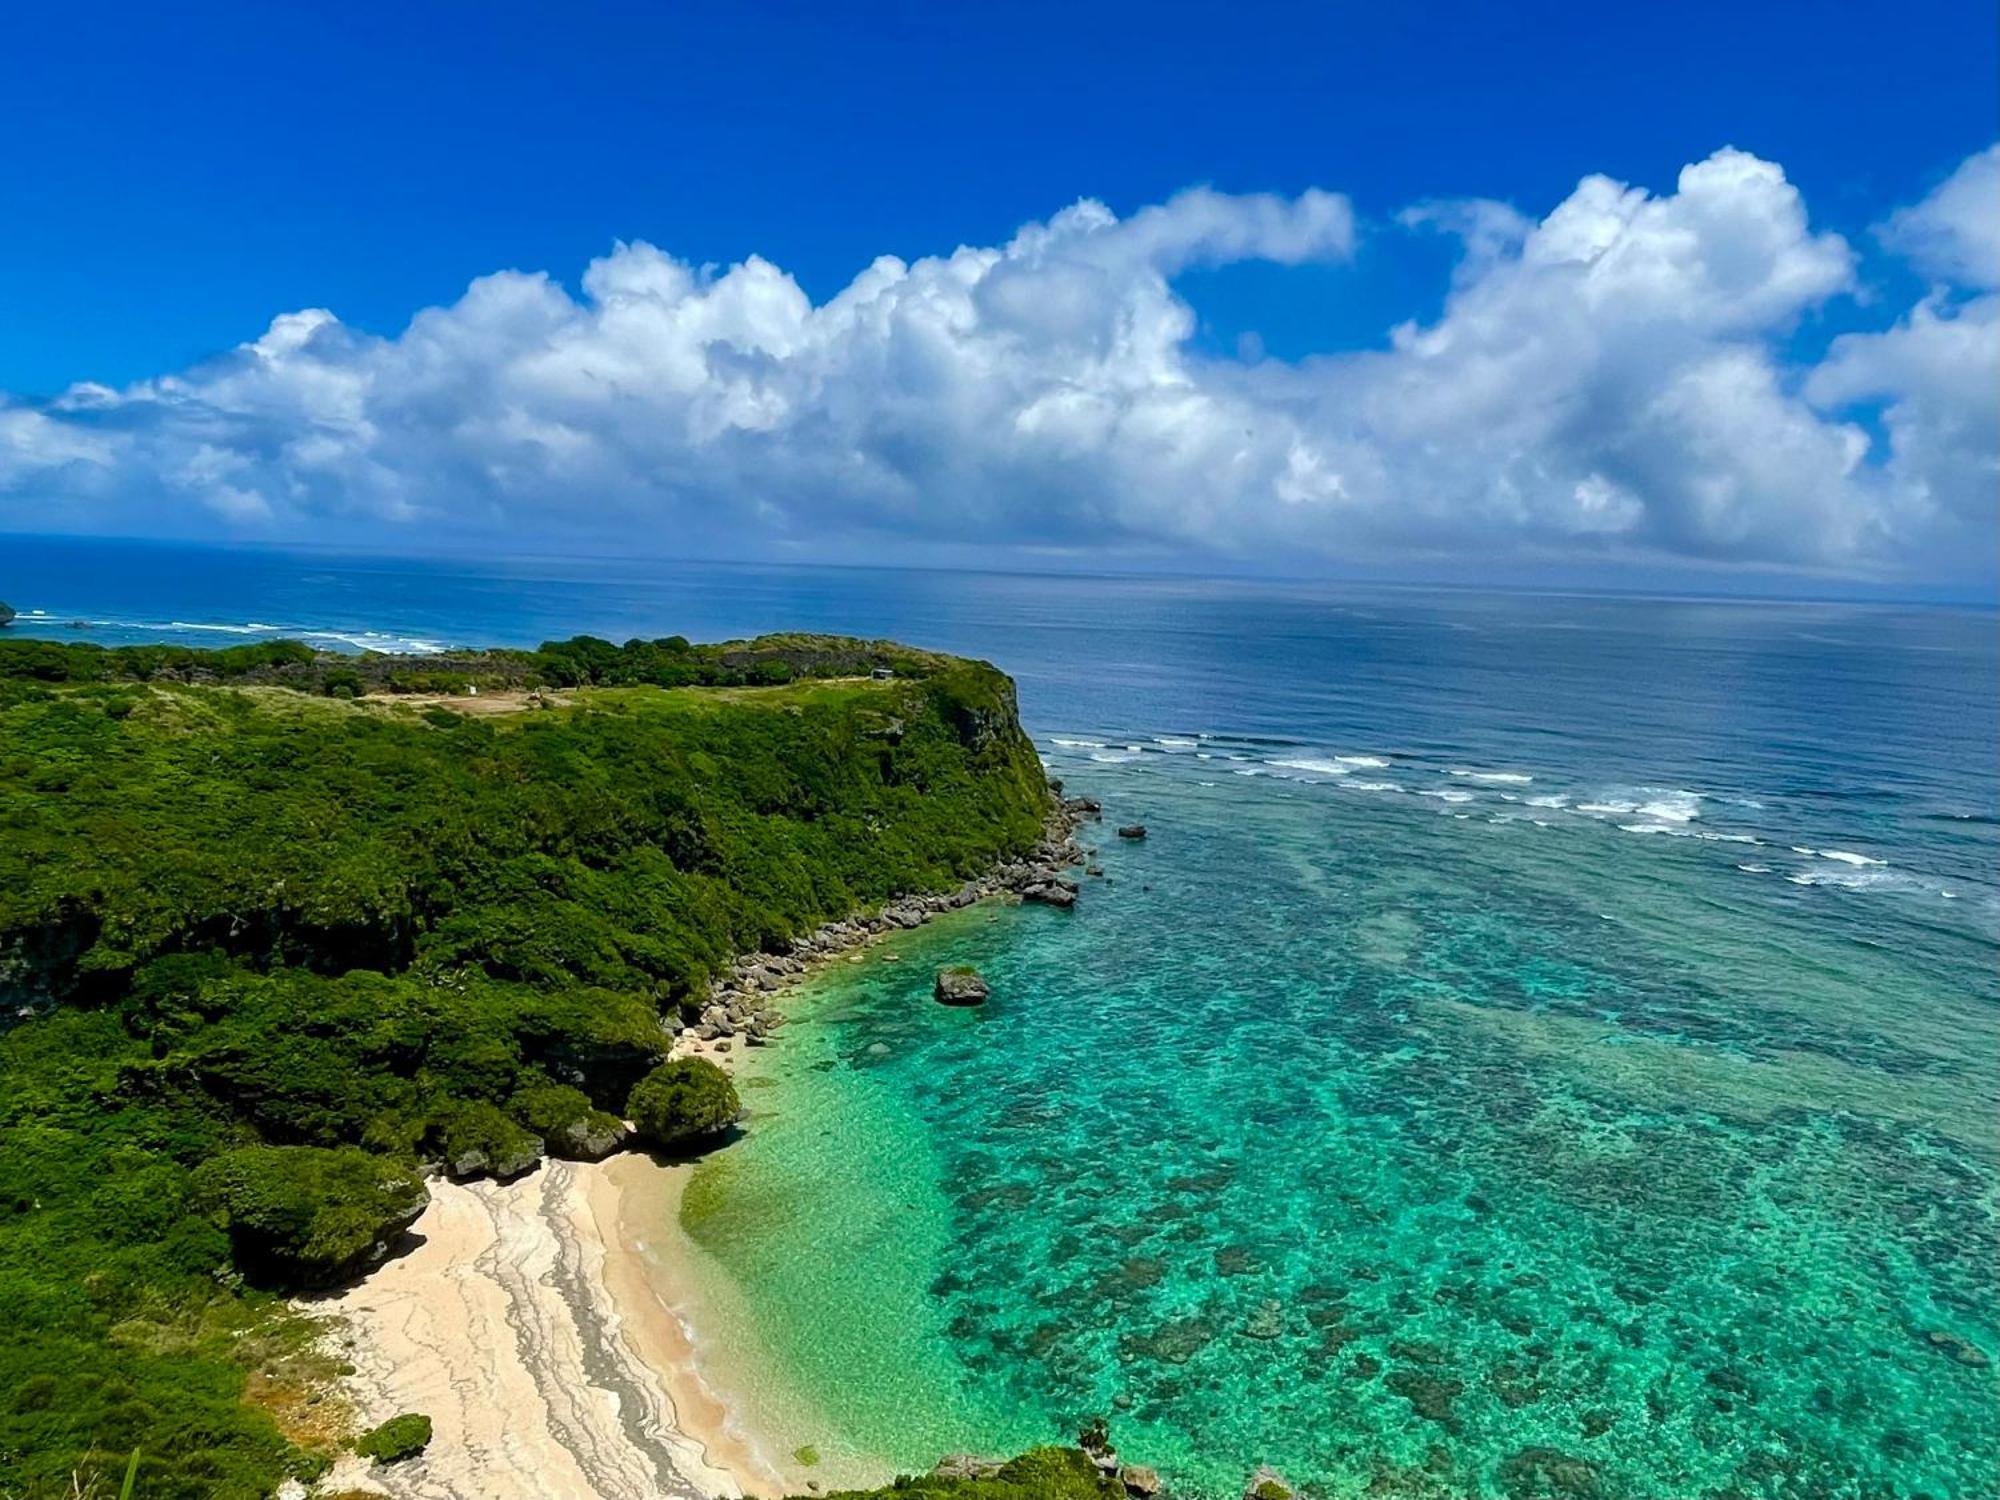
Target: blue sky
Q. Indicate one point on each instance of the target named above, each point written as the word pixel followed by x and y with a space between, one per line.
pixel 176 177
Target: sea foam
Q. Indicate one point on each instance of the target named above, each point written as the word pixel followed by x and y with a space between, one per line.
pixel 1316 766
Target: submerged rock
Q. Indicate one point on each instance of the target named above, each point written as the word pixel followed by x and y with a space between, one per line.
pixel 1268 1484
pixel 1237 1260
pixel 1549 1474
pixel 1963 1350
pixel 1430 1396
pixel 1267 1322
pixel 1174 1342
pixel 960 984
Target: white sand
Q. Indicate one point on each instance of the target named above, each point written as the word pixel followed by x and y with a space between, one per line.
pixel 501 1327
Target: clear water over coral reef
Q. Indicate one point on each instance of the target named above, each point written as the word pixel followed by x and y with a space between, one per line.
pixel 1518 1109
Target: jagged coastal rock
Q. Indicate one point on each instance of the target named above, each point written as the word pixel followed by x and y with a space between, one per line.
pixel 740 1003
pixel 498 1160
pixel 588 1138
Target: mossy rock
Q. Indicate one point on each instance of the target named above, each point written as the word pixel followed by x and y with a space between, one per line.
pixel 478 1140
pixel 570 1126
pixel 397 1439
pixel 682 1103
pixel 304 1215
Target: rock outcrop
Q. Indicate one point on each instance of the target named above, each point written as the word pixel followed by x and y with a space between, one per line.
pixel 960 984
pixel 1141 1481
pixel 588 1138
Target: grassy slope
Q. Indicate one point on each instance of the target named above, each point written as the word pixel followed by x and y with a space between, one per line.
pixel 268 951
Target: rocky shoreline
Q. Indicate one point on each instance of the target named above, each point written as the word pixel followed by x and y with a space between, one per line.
pixel 741 1004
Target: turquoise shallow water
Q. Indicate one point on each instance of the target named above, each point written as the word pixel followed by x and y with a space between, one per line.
pixel 1345 1133
pixel 1544 1112
pixel 1546 1046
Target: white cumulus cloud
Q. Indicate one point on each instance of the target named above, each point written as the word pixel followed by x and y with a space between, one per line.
pixel 1936 373
pixel 1609 380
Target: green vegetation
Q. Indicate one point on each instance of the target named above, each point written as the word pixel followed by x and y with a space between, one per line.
pixel 683 1102
pixel 303 1215
pixel 396 1439
pixel 582 661
pixel 265 953
pixel 1038 1474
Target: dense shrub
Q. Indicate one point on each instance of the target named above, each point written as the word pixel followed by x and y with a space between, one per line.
pixel 682 1102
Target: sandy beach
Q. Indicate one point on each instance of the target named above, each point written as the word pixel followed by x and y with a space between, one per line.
pixel 548 1353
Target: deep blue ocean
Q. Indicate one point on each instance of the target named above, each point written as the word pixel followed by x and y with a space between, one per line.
pixel 1548 1044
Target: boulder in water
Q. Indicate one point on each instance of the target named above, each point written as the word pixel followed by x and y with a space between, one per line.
pixel 960 984
pixel 1141 1481
pixel 1132 831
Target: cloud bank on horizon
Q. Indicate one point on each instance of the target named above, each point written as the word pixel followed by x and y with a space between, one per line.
pixel 1609 382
